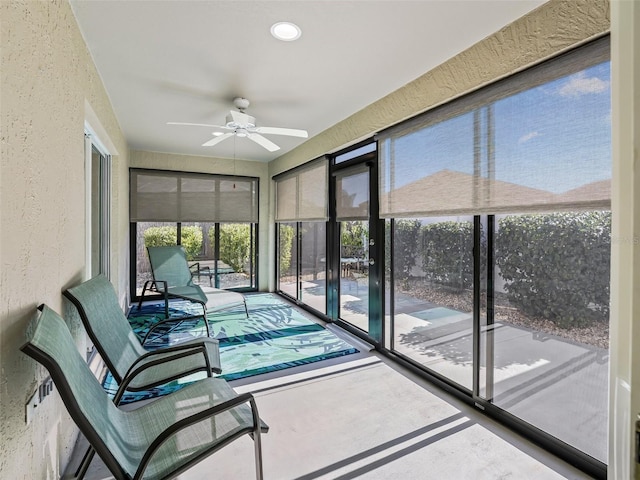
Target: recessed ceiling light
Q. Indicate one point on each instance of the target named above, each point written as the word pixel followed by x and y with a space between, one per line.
pixel 286 31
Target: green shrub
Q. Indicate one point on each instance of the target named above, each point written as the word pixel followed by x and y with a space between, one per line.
pixel 235 244
pixel 556 265
pixel 353 235
pixel 447 253
pixel 406 235
pixel 285 233
pixel 160 236
pixel 191 238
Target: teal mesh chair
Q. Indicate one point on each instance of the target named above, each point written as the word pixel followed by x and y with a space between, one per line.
pixel 172 278
pixel 158 440
pixel 133 367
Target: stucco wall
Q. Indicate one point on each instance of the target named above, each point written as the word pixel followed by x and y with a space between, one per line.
pixel 47 75
pixel 223 166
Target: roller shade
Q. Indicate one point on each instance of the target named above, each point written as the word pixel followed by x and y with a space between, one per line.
pixel 537 141
pixel 352 194
pixel 301 195
pixel 165 196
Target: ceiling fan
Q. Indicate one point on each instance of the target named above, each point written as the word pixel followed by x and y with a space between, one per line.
pixel 241 124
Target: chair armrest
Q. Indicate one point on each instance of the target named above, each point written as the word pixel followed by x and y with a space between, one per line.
pixel 198 268
pixel 197 418
pixel 178 353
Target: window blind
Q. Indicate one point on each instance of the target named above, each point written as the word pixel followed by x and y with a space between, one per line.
pixel 537 141
pixel 352 194
pixel 166 196
pixel 301 194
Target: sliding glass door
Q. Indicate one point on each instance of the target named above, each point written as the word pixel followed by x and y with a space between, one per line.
pixel 301 216
pixel 497 213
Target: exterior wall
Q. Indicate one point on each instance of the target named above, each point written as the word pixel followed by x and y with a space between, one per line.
pixel 223 166
pixel 47 79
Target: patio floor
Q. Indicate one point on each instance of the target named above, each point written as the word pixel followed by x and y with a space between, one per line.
pixel 363 416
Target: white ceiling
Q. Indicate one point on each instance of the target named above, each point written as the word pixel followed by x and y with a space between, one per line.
pixel 185 61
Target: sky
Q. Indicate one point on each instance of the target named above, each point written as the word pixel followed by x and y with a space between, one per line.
pixel 554 137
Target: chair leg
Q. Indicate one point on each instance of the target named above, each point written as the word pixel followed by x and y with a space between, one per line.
pixel 85 463
pixel 206 320
pixel 257 445
pixel 257 441
pixel 144 289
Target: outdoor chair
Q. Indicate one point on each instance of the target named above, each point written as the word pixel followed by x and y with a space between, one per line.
pixel 198 269
pixel 133 367
pixel 172 278
pixel 158 440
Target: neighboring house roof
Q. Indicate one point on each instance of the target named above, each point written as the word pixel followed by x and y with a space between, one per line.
pixel 448 192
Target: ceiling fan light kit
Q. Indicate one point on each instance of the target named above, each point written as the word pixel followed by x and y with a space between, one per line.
pixel 243 125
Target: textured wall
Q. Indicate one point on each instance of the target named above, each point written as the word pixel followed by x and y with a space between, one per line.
pixel 46 77
pixel 223 166
pixel 552 28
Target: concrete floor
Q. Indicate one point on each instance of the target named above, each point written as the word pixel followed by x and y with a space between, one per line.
pixel 363 416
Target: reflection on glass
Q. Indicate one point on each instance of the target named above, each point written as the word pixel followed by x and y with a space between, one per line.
pixel 550 347
pixel 433 294
pixel 354 273
pixel 313 268
pixel 287 258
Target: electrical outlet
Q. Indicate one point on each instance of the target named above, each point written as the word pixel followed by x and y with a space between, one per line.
pixel 45 388
pixel 30 407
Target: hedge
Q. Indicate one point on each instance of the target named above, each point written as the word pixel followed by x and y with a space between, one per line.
pixel 286 233
pixel 447 253
pixel 406 234
pixel 556 265
pixel 235 244
pixel 164 236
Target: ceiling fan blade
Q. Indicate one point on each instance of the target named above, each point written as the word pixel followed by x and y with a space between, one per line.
pixel 260 140
pixel 216 140
pixel 292 132
pixel 198 125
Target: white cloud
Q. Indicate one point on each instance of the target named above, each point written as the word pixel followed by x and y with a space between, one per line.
pixel 579 85
pixel 528 136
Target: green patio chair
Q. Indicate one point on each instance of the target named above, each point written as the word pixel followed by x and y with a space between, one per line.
pixel 172 278
pixel 158 440
pixel 133 367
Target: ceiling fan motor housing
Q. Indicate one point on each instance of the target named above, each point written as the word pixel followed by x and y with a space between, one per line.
pixel 241 103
